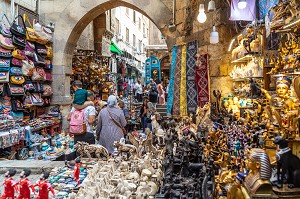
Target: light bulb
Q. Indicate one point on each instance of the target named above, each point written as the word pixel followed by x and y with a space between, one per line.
pixel 211 6
pixel 242 4
pixel 201 16
pixel 214 36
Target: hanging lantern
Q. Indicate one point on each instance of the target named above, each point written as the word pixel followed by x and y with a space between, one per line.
pixel 211 6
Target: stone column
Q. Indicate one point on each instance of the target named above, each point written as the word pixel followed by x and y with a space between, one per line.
pixel 99 24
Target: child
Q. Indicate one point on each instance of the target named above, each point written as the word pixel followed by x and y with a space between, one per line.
pixel 81 96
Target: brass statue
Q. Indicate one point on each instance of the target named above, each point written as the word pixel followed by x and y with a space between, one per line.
pixel 259 166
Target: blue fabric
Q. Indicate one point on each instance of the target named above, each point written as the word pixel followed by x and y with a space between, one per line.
pixel 265 6
pixel 171 83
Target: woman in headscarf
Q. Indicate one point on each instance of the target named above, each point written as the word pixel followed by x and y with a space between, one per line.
pixel 111 120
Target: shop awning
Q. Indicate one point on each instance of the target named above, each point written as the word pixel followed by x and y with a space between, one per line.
pixel 115 49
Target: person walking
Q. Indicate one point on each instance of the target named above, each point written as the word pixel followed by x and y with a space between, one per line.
pixel 90 117
pixel 161 93
pixel 111 121
pixel 139 90
pixel 146 111
pixel 124 109
pixel 153 92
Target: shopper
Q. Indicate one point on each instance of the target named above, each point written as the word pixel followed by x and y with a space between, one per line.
pixel 152 92
pixel 147 109
pixel 139 90
pixel 161 93
pixel 80 96
pixel 124 109
pixel 111 122
pixel 90 117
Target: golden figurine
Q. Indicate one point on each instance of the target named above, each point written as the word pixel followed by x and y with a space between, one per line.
pixel 258 179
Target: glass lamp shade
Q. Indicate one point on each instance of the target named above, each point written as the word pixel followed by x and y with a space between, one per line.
pixel 214 36
pixel 242 4
pixel 201 17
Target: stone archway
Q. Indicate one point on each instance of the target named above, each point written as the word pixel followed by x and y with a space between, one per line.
pixel 72 16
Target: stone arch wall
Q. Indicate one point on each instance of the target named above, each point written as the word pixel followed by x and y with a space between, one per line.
pixel 72 16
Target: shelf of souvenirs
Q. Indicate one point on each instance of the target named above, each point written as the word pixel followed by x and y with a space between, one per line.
pixel 246 78
pixel 283 28
pixel 246 58
pixel 283 74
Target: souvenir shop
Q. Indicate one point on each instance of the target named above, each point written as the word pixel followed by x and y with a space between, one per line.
pixel 28 125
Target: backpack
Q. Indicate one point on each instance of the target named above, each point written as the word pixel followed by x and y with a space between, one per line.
pixel 77 122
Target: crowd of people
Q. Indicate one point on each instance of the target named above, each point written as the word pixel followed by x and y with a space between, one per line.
pixel 113 115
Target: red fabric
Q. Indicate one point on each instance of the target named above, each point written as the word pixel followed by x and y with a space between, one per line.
pixel 9 189
pixel 24 185
pixel 44 188
pixel 124 86
pixel 202 80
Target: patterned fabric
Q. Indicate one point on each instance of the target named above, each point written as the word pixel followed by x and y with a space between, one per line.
pixel 265 6
pixel 171 83
pixel 176 103
pixel 202 80
pixel 183 100
pixel 191 88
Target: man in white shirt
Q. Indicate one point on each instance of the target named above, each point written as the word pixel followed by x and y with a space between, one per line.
pixel 139 90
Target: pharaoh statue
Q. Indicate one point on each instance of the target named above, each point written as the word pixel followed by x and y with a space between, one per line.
pixel 259 167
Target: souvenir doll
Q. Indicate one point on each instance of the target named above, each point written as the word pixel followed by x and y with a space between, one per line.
pixel 77 170
pixel 44 186
pixel 9 185
pixel 25 185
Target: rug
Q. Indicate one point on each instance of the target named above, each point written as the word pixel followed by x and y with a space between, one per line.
pixel 191 88
pixel 183 100
pixel 171 83
pixel 202 80
pixel 176 102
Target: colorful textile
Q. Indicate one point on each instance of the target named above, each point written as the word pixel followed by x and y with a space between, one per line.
pixel 202 80
pixel 176 103
pixel 191 88
pixel 183 100
pixel 246 14
pixel 171 83
pixel 265 6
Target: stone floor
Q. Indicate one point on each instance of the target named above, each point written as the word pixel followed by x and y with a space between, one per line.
pixel 34 165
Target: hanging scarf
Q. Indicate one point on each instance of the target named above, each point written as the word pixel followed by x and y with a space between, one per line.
pixel 171 83
pixel 265 6
pixel 183 102
pixel 202 80
pixel 176 103
pixel 191 88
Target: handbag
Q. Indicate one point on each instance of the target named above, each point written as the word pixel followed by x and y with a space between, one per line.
pixel 4 77
pixel 17 115
pixel 48 76
pixel 30 33
pixel 38 74
pixel 47 101
pixel 28 86
pixel 48 65
pixel 3 29
pixel 38 60
pixel 38 87
pixel 16 62
pixel 4 65
pixel 40 34
pixel 16 105
pixel 47 91
pixel 18 30
pixel 5 53
pixel 36 99
pixel 49 53
pixel 27 67
pixel 17 80
pixel 16 71
pixel 6 42
pixel 116 123
pixel 19 54
pixel 19 42
pixel 41 49
pixel 2 89
pixel 48 33
pixel 15 90
pixel 29 49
